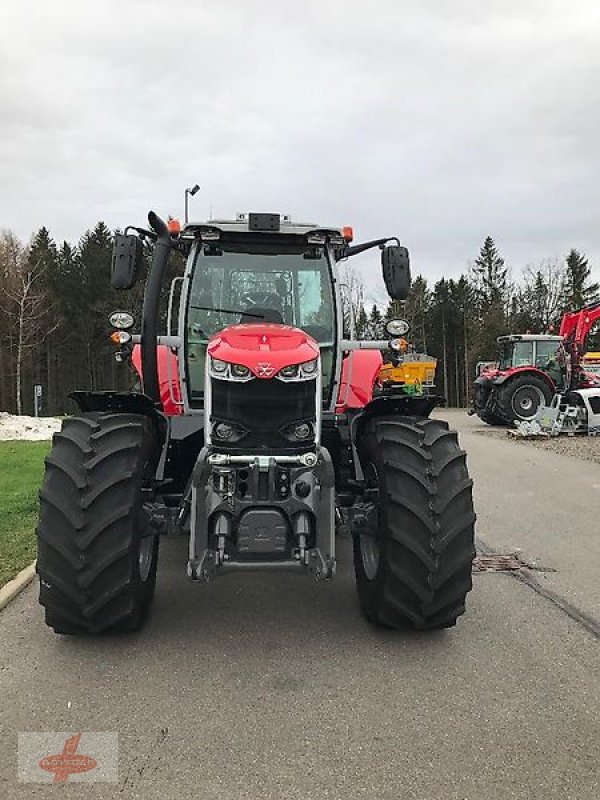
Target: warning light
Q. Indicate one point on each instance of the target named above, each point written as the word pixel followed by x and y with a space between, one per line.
pixel 174 226
pixel 120 337
pixel 347 233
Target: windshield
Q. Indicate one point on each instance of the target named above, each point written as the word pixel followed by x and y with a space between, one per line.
pixel 229 287
pixel 516 354
pixel 546 352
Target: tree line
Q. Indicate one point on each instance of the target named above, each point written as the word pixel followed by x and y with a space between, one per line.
pixel 55 300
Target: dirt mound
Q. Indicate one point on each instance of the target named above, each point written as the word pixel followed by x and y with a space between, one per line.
pixel 31 428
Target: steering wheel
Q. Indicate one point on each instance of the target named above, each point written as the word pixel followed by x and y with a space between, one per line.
pixel 258 298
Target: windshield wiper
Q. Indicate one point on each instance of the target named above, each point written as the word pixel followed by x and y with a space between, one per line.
pixel 228 311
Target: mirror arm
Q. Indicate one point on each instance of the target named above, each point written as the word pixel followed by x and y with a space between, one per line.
pixel 360 248
pixel 145 234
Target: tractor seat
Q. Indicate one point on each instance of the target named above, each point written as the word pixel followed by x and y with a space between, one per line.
pixel 260 314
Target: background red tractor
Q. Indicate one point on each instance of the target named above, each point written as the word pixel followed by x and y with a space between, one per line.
pixel 255 434
pixel 533 368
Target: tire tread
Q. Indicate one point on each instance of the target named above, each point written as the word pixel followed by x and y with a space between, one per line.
pixel 428 524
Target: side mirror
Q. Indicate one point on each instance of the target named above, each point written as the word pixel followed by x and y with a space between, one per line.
pixel 126 260
pixel 395 265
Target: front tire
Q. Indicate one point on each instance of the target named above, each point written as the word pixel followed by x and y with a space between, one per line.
pixel 414 550
pixel 97 557
pixel 521 397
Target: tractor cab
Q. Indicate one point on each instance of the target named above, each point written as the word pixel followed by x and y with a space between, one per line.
pixel 258 283
pixel 524 350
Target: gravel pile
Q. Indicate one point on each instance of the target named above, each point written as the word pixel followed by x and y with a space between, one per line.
pixel 585 447
pixel 30 428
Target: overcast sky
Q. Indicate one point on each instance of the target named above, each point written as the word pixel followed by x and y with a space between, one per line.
pixel 438 121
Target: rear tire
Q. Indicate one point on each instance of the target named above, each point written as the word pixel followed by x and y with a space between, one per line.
pixel 97 560
pixel 520 397
pixel 482 395
pixel 414 552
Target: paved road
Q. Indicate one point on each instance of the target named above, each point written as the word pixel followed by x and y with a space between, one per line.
pixel 247 689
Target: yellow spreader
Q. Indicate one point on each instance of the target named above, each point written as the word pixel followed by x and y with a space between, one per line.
pixel 414 372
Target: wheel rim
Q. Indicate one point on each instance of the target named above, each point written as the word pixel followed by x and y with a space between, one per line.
pixel 370 547
pixel 145 555
pixel 526 401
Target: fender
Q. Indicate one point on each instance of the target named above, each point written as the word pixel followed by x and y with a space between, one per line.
pixel 504 375
pixel 121 402
pixel 397 405
pixel 168 377
pixel 360 369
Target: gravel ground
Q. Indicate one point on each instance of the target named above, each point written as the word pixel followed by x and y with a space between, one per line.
pixel 584 447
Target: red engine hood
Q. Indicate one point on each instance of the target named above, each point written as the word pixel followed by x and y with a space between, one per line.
pixel 263 347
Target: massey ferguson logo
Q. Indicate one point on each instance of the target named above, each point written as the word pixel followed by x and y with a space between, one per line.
pixel 265 370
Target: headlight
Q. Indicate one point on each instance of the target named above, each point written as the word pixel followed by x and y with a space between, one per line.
pixel 240 371
pixel 229 372
pixel 219 367
pixel 299 372
pixel 397 327
pixel 227 432
pixel 223 430
pixel 299 431
pixel 122 320
pixel 310 367
pixel 302 431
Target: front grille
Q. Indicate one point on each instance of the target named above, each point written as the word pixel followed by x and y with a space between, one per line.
pixel 263 408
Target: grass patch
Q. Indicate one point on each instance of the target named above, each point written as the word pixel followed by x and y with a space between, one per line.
pixel 21 472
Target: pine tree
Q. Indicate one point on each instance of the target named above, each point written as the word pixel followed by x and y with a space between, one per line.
pixel 43 256
pixel 463 301
pixel 375 324
pixel 491 274
pixel 416 311
pixel 578 289
pixel 440 316
pixel 362 324
pixel 491 293
pixel 97 301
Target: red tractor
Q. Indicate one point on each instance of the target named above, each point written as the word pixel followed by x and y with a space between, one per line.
pixel 533 368
pixel 255 434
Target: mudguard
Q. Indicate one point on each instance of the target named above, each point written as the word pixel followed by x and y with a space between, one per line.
pixel 504 375
pixel 168 377
pixel 122 403
pixel 360 369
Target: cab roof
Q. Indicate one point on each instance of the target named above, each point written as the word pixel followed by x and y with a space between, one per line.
pixel 260 223
pixel 529 337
